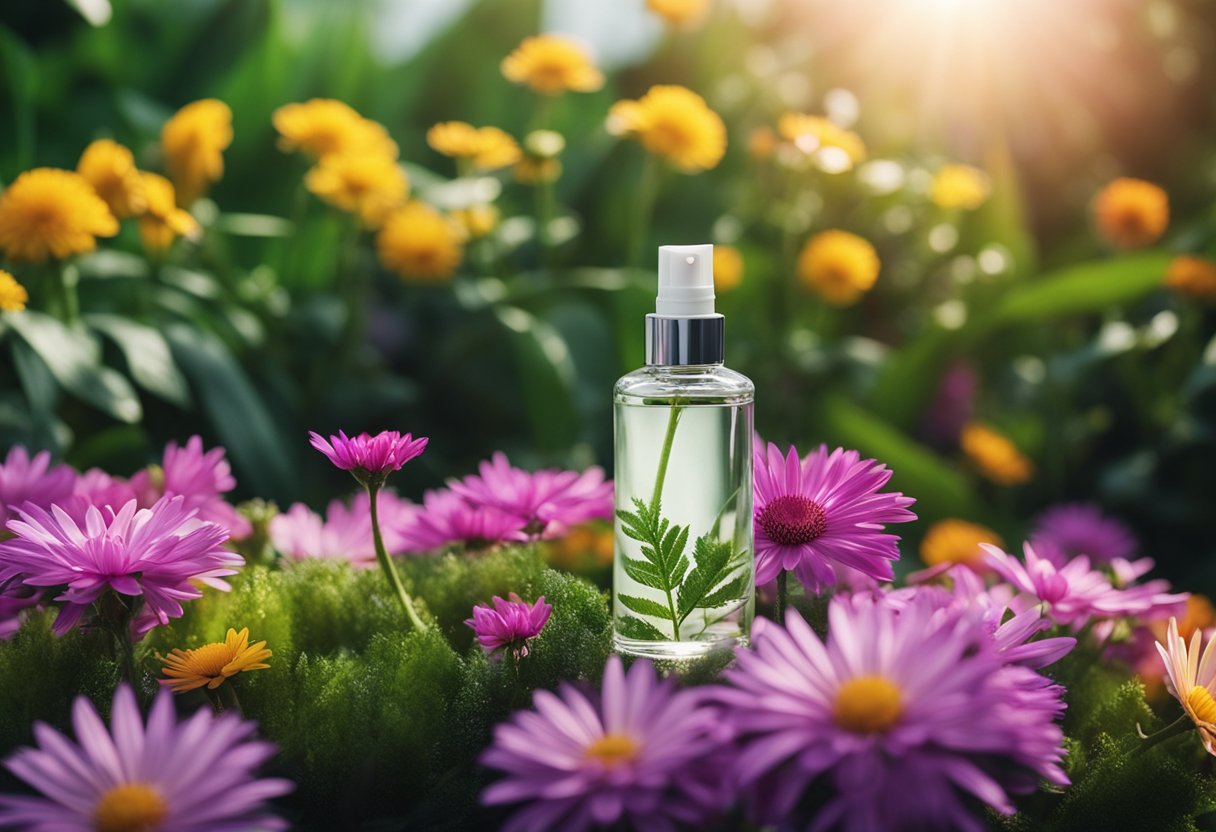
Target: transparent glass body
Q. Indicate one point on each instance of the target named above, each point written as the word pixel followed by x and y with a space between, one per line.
pixel 683 573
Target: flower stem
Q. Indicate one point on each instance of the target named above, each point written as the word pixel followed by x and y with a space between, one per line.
pixel 126 657
pixel 656 499
pixel 386 564
pixel 782 595
pixel 647 190
pixel 1179 726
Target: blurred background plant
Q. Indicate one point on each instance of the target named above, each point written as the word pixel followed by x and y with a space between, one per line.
pixel 290 215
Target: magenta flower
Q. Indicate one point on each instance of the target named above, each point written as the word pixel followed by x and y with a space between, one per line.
pixel 152 556
pixel 824 512
pixel 13 602
pixel 638 755
pixel 1082 529
pixel 367 456
pixel 344 533
pixel 546 502
pixel 953 405
pixel 448 518
pixel 193 776
pixel 1074 593
pixel 202 478
pixel 509 624
pixel 901 720
pixel 25 480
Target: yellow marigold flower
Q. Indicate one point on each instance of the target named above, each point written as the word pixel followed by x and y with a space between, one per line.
pixel 679 12
pixel 367 186
pixel 194 141
pixel 675 123
pixel 728 268
pixel 1131 213
pixel 834 148
pixel 110 169
pixel 957 541
pixel 13 296
pixel 552 64
pixel 47 212
pixel 995 456
pixel 533 170
pixel 213 664
pixel 419 243
pixel 1192 276
pixel 959 186
pixel 762 143
pixel 1192 678
pixel 476 221
pixel 322 126
pixel 163 222
pixel 486 148
pixel 839 266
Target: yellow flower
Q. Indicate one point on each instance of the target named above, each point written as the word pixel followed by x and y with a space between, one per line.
pixel 959 186
pixel 1192 276
pixel 728 268
pixel 552 64
pixel 47 212
pixel 13 296
pixel 476 221
pixel 673 122
pixel 957 541
pixel 995 456
pixel 1131 213
pixel 1192 679
pixel 194 141
pixel 533 170
pixel 163 222
pixel 367 186
pixel 486 148
pixel 834 149
pixel 213 664
pixel 679 12
pixel 419 243
pixel 588 545
pixel 322 126
pixel 110 169
pixel 839 266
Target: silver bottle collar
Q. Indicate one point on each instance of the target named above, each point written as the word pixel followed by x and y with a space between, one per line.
pixel 672 342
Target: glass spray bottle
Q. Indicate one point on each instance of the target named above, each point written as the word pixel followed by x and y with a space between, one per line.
pixel 684 565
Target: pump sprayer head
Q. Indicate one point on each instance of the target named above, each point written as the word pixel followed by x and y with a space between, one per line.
pixel 686 281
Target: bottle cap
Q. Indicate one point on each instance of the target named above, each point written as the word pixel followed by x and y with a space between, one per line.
pixel 686 281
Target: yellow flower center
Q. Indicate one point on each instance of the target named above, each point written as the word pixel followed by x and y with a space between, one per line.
pixel 210 659
pixel 613 749
pixel 1201 704
pixel 868 705
pixel 131 807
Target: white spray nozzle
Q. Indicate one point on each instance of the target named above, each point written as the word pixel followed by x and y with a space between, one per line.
pixel 686 281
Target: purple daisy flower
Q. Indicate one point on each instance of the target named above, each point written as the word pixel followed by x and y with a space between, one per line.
pixel 1075 593
pixel 13 602
pixel 824 512
pixel 1082 529
pixel 25 480
pixel 640 754
pixel 202 478
pixel 367 456
pixel 509 624
pixel 193 776
pixel 153 555
pixel 344 533
pixel 448 518
pixel 547 502
pixel 902 718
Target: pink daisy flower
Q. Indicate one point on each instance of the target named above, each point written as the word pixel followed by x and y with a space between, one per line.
pixel 367 456
pixel 25 480
pixel 202 478
pixel 546 502
pixel 816 515
pixel 344 533
pixel 638 755
pixel 1082 529
pixel 193 776
pixel 448 518
pixel 509 624
pixel 152 556
pixel 901 720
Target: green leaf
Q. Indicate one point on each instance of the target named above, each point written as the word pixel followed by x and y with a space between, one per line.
pixel 636 628
pixel 644 606
pixel 148 356
pixel 732 590
pixel 714 564
pixel 74 359
pixel 547 375
pixel 640 571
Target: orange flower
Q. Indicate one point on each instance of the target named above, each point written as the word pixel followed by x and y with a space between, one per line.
pixel 957 541
pixel 419 243
pixel 552 64
pixel 47 212
pixel 675 123
pixel 163 222
pixel 839 266
pixel 110 169
pixel 995 456
pixel 213 664
pixel 1192 276
pixel 728 268
pixel 1131 213
pixel 322 126
pixel 486 148
pixel 366 186
pixel 194 141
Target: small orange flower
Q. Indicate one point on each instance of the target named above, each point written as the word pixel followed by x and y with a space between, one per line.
pixel 762 143
pixel 419 243
pixel 47 212
pixel 213 664
pixel 13 296
pixel 163 222
pixel 485 148
pixel 1131 213
pixel 533 170
pixel 322 126
pixel 839 266
pixel 995 456
pixel 1192 276
pixel 959 186
pixel 476 221
pixel 552 64
pixel 728 268
pixel 675 123
pixel 110 169
pixel 194 141
pixel 366 186
pixel 957 541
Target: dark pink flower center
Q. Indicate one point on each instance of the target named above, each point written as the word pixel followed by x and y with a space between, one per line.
pixel 793 520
